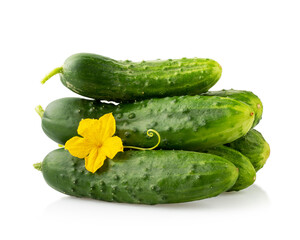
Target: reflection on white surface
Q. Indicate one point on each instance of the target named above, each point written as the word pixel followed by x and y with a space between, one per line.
pixel 252 198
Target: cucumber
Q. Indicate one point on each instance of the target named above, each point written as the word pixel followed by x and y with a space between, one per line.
pixel 185 122
pixel 247 174
pixel 254 146
pixel 147 177
pixel 244 96
pixel 103 78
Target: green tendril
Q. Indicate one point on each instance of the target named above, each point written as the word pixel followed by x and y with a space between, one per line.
pixel 150 134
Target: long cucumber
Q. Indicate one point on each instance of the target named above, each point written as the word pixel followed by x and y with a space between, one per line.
pixel 186 122
pixel 103 78
pixel 147 177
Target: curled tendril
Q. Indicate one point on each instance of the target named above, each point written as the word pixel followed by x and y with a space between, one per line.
pixel 150 134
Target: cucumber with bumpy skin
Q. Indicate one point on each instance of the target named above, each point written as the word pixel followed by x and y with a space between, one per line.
pixel 244 96
pixel 254 146
pixel 147 177
pixel 247 174
pixel 103 78
pixel 186 122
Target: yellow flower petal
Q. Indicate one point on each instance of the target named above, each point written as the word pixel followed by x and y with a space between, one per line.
pixel 78 147
pixel 96 142
pixel 107 126
pixel 112 146
pixel 94 160
pixel 90 129
pixel 97 130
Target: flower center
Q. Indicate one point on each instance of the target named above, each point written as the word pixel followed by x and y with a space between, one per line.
pixel 99 145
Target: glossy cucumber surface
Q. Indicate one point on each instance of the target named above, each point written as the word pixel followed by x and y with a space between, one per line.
pixel 247 173
pixel 254 146
pixel 244 96
pixel 147 177
pixel 103 78
pixel 184 123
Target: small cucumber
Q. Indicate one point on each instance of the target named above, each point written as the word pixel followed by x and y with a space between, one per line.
pixel 184 123
pixel 244 96
pixel 103 78
pixel 254 146
pixel 247 174
pixel 147 177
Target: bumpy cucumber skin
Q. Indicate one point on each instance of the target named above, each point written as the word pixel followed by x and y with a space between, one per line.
pixel 184 123
pixel 244 96
pixel 254 146
pixel 247 173
pixel 99 77
pixel 147 177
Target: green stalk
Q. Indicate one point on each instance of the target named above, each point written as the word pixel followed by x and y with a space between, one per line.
pixel 38 166
pixel 52 73
pixel 40 111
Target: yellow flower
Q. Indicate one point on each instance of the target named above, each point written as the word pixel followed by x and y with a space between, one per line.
pixel 97 141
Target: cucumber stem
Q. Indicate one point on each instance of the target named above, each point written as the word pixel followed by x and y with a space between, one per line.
pixel 51 74
pixel 40 111
pixel 38 166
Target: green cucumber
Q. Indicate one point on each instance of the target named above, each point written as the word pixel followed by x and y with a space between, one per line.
pixel 185 122
pixel 247 174
pixel 103 78
pixel 254 146
pixel 147 177
pixel 244 96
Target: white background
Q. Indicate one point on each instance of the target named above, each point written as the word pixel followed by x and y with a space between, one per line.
pixel 256 42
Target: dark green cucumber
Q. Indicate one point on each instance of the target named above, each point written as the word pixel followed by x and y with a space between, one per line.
pixel 148 177
pixel 247 174
pixel 254 146
pixel 185 122
pixel 103 78
pixel 244 96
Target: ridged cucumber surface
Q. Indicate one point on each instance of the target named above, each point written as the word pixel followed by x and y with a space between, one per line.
pixel 184 123
pixel 244 96
pixel 103 78
pixel 247 173
pixel 147 177
pixel 254 146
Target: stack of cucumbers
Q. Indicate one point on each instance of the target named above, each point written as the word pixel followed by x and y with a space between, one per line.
pixel 208 144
